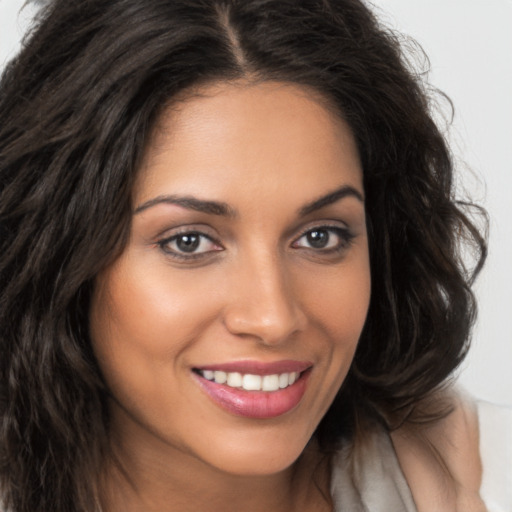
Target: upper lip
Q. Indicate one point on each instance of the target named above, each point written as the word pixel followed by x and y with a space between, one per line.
pixel 258 367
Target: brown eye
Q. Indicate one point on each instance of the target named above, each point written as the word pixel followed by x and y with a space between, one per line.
pixel 318 239
pixel 324 238
pixel 190 244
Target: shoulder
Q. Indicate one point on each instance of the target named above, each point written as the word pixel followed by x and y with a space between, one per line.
pixel 447 462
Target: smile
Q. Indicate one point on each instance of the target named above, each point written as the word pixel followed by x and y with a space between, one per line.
pixel 254 390
pixel 251 382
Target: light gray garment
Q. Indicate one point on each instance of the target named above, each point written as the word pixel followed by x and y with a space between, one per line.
pixel 369 479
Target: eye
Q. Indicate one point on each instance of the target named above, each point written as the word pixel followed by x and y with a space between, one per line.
pixel 325 238
pixel 190 244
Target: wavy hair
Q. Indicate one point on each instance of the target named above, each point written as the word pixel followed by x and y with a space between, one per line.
pixel 77 106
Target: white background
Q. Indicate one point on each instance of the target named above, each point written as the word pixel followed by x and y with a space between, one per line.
pixel 469 43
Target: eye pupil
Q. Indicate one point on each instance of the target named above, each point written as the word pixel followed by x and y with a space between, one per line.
pixel 188 242
pixel 318 238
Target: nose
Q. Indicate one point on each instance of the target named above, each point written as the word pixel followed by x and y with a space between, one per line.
pixel 263 303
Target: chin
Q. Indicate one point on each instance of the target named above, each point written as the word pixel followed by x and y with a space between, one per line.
pixel 261 463
pixel 265 455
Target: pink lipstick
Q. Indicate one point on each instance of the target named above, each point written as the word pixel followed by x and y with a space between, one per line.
pixel 254 389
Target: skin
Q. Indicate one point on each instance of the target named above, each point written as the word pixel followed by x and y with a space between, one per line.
pixel 256 290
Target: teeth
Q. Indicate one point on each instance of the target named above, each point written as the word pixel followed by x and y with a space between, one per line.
pixel 251 382
pixel 271 382
pixel 234 380
pixel 219 377
pixel 208 374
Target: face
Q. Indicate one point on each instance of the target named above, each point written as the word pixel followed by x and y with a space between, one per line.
pixel 229 322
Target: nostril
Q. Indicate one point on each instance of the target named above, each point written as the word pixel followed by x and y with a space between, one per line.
pixel 262 303
pixel 270 328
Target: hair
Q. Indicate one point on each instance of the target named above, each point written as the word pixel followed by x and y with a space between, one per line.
pixel 77 107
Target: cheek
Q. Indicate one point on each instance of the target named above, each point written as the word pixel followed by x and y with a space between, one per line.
pixel 339 305
pixel 140 326
pixel 142 323
pixel 143 310
pixel 339 301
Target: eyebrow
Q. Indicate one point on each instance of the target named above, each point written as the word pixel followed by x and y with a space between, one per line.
pixel 191 203
pixel 330 198
pixel 224 210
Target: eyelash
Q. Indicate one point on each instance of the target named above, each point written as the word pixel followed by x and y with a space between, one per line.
pixel 173 253
pixel 344 235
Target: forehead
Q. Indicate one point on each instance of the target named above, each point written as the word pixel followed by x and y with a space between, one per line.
pixel 249 136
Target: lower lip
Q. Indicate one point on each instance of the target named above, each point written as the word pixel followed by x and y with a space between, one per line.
pixel 256 404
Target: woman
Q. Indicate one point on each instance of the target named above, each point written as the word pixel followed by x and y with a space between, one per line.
pixel 180 328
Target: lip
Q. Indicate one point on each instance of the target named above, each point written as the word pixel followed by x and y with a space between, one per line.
pixel 256 404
